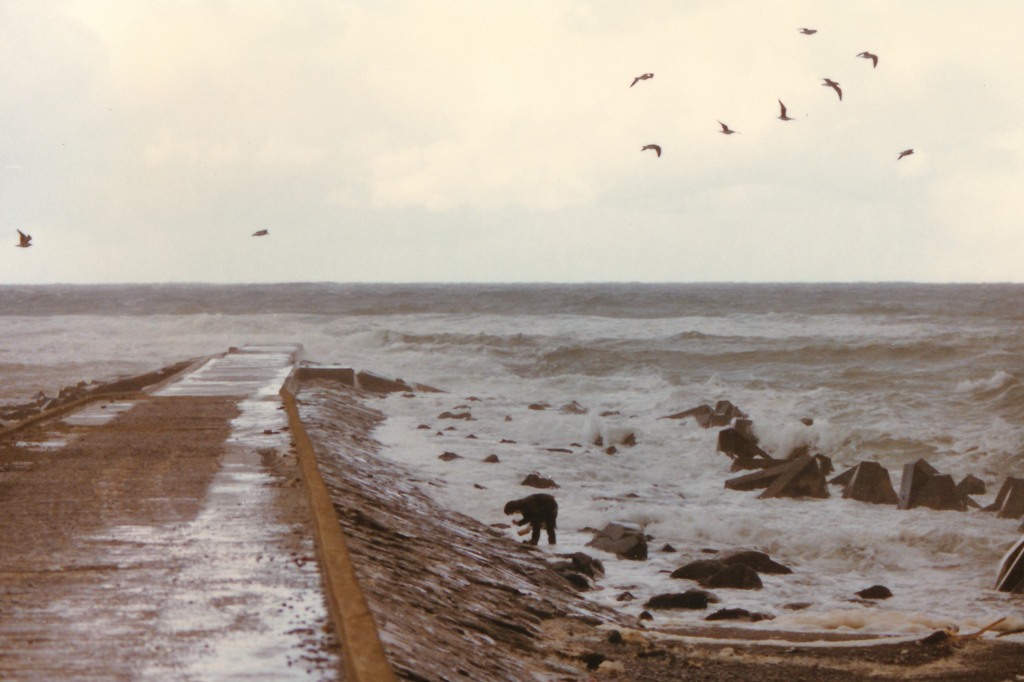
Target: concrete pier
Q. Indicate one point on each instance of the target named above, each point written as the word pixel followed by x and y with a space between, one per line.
pixel 164 535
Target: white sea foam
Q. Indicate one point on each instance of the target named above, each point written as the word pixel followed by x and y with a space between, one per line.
pixel 887 373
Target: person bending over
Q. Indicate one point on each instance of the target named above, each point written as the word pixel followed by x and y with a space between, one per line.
pixel 539 511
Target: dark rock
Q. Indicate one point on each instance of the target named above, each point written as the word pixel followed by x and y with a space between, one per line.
pixel 739 614
pixel 538 406
pixel 807 421
pixel 585 564
pixel 577 580
pixel 797 606
pixel 423 427
pixel 448 456
pixel 611 450
pixel 729 614
pixel 645 615
pixel 625 596
pixel 691 599
pixel 875 592
pixel 615 637
pixel 593 661
pixel 695 412
pixel 868 482
pixel 668 548
pixel 535 480
pixel 701 569
pixel 626 541
pixel 802 478
pixel 573 408
pixel 736 576
pixel 759 561
pixel 937 637
pixel 492 459
pixel 455 415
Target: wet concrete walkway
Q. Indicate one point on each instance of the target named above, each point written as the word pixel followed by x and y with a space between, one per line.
pixel 164 537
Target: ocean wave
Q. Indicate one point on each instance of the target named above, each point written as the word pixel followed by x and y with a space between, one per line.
pixel 997 381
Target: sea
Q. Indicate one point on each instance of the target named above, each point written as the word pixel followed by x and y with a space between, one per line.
pixel 889 373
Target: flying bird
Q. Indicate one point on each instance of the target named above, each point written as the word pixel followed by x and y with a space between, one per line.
pixel 872 57
pixel 24 240
pixel 261 233
pixel 835 86
pixel 783 114
pixel 641 77
pixel 808 31
pixel 725 129
pixel 655 147
pixel 905 152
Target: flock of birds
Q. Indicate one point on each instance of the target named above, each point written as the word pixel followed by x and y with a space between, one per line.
pixel 828 83
pixel 25 240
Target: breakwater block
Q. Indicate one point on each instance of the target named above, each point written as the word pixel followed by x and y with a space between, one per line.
pixel 1009 502
pixel 867 482
pixel 924 486
pixel 1011 570
pixel 740 444
pixel 802 478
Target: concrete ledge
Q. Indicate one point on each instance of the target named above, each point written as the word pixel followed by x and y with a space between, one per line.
pixel 362 650
pixel 55 412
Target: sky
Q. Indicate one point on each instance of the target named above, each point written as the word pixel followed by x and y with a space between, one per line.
pixel 480 141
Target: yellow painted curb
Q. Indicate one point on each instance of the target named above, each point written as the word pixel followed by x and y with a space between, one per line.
pixel 362 650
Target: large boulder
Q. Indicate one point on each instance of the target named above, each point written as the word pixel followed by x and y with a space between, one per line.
pixel 759 561
pixel 691 599
pixel 624 540
pixel 535 480
pixel 737 576
pixel 699 570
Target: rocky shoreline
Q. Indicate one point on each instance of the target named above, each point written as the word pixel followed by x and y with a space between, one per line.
pixel 456 600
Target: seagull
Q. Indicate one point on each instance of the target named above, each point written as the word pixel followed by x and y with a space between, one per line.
pixel 24 240
pixel 655 147
pixel 905 152
pixel 261 233
pixel 872 57
pixel 641 77
pixel 725 129
pixel 835 86
pixel 783 114
pixel 808 31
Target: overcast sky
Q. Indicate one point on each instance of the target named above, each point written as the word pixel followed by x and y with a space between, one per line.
pixel 470 140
